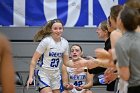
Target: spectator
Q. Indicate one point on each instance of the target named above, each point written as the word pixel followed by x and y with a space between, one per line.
pixel 7 75
pixel 127 48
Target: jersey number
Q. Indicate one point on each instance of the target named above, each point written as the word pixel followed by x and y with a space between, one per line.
pixel 78 83
pixel 54 62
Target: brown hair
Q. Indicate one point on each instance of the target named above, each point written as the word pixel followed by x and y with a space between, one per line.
pixel 78 46
pixel 109 22
pixel 135 4
pixel 114 12
pixel 46 30
pixel 130 18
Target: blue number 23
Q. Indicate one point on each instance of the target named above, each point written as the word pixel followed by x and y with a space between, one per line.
pixel 54 62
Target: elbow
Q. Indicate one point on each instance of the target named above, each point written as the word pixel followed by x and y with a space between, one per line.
pixel 126 78
pixel 124 73
pixel 65 63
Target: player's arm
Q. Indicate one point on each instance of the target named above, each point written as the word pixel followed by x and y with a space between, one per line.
pixel 65 79
pixel 89 81
pixel 67 62
pixel 42 47
pixel 34 60
pixel 64 75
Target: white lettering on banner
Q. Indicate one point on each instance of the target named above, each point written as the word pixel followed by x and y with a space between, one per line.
pixel 19 13
pixel 106 5
pixel 74 8
pixel 90 14
pixel 50 9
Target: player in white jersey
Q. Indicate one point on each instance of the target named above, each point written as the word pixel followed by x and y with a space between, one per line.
pixel 53 49
pixel 76 80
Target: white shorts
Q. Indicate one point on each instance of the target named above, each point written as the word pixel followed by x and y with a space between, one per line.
pixel 75 91
pixel 49 78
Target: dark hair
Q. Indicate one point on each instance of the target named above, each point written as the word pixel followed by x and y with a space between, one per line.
pixel 46 30
pixel 135 4
pixel 114 11
pixel 77 45
pixel 130 18
pixel 108 19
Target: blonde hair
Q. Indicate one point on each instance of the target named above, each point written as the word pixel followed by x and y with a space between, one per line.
pixel 46 30
pixel 103 25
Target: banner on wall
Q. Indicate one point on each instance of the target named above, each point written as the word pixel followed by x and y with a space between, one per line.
pixel 73 13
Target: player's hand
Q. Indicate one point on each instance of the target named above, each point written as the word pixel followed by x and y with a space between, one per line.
pixel 69 86
pixel 78 88
pixel 30 80
pixel 110 75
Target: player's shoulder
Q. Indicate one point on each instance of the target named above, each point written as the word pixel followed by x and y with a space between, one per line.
pixel 64 42
pixel 116 32
pixel 63 39
pixel 47 40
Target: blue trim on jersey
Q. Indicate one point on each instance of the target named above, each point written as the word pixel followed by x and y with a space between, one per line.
pixel 36 72
pixel 42 60
pixel 61 85
pixel 36 75
pixel 42 81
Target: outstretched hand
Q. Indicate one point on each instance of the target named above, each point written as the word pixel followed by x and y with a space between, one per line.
pixel 80 63
pixel 110 74
pixel 102 54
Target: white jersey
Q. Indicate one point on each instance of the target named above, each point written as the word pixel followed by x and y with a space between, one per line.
pixel 52 52
pixel 76 79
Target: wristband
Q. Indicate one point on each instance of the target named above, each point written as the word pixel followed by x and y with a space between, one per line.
pixel 85 69
pixel 115 61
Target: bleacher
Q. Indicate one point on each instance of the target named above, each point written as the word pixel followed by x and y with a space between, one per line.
pixel 23 48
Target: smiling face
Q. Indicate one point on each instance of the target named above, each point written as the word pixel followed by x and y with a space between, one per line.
pixel 101 34
pixel 57 30
pixel 113 22
pixel 75 52
pixel 110 28
pixel 102 30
